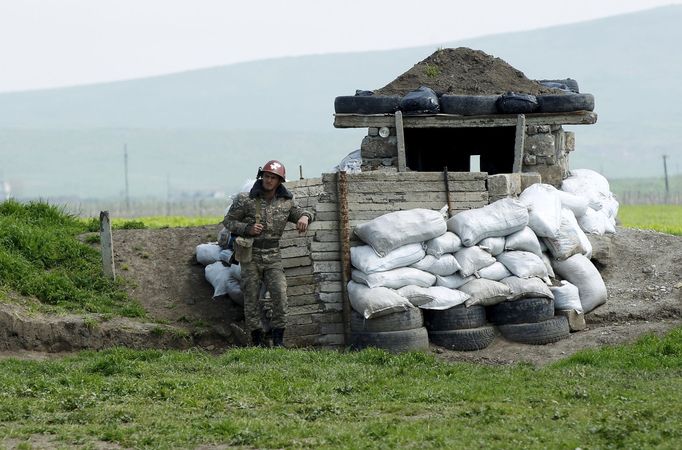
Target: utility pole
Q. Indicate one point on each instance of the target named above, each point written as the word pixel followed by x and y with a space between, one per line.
pixel 665 172
pixel 125 167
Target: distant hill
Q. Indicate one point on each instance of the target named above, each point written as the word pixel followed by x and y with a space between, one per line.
pixel 210 128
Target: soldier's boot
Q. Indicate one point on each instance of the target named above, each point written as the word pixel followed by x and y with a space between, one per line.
pixel 257 338
pixel 278 337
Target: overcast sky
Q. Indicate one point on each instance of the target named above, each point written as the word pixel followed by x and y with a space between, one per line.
pixel 50 43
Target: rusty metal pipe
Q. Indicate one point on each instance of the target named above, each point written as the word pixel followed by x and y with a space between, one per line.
pixel 447 190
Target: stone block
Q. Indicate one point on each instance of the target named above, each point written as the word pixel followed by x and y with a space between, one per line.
pixel 378 147
pixel 372 131
pixel 550 174
pixel 536 129
pixel 540 145
pixel 504 184
pixel 602 248
pixel 569 141
pixel 528 178
pixel 576 320
pixel 529 160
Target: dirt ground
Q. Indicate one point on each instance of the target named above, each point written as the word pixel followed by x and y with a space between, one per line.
pixel 643 279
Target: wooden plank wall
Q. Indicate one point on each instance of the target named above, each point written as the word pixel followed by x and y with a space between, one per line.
pixel 313 262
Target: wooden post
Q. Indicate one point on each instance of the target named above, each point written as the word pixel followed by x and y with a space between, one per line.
pixel 400 133
pixel 519 142
pixel 344 237
pixel 107 245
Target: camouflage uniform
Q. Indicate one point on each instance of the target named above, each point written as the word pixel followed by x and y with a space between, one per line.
pixel 266 263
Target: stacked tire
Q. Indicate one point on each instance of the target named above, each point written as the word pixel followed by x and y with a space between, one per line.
pixel 529 321
pixel 395 333
pixel 460 328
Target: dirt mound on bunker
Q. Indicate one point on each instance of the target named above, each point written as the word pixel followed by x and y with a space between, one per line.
pixel 463 71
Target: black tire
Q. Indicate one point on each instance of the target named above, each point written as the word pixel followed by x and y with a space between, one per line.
pixel 469 105
pixel 455 318
pixel 525 310
pixel 392 341
pixel 565 84
pixel 464 340
pixel 405 320
pixel 538 333
pixel 513 103
pixel 565 103
pixel 362 104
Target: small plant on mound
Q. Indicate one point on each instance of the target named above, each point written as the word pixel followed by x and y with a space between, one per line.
pixel 41 257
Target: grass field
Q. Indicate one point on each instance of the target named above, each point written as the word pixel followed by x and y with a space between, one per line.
pixel 663 218
pixel 621 397
pixel 41 259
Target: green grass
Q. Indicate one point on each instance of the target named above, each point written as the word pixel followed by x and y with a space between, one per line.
pixel 41 258
pixel 663 218
pixel 164 222
pixel 620 397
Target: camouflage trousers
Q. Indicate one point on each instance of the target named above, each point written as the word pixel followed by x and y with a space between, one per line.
pixel 265 267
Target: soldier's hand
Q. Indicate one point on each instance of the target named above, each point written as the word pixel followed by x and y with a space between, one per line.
pixel 256 229
pixel 302 224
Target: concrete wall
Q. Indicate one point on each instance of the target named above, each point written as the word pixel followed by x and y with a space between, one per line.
pixel 313 262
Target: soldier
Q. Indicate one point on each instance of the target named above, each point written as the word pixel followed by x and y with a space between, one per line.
pixel 262 215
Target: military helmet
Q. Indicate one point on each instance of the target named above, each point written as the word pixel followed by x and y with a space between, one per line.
pixel 275 167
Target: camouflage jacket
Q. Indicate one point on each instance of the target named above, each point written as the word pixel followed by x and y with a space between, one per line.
pixel 274 215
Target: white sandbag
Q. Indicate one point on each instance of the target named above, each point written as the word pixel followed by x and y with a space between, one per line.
pixel 523 264
pixel 610 206
pixel 548 264
pixel 524 240
pixel 208 253
pixel 593 222
pixel 610 225
pixel 453 281
pixel 434 297
pixel 527 287
pixel 396 229
pixel 225 255
pixel 579 271
pixel 588 184
pixel 447 242
pixel 544 209
pixel 500 218
pixel 233 287
pixel 364 258
pixel 445 265
pixel 567 241
pixel 376 302
pixel 471 259
pixel 585 243
pixel 576 203
pixel 493 245
pixel 485 292
pixel 566 296
pixel 496 272
pixel 395 278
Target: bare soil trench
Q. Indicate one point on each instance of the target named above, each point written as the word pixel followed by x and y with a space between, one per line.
pixel 643 278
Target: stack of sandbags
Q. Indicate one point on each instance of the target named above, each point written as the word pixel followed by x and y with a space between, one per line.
pixel 592 188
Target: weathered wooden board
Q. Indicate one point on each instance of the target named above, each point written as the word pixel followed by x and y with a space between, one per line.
pixel 454 121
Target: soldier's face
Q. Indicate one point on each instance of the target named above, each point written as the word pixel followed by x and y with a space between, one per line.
pixel 271 181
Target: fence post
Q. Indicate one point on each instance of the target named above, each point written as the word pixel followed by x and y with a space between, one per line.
pixel 107 245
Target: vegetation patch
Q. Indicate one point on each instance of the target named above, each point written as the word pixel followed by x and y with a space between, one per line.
pixel 662 218
pixel 624 397
pixel 41 257
pixel 157 222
